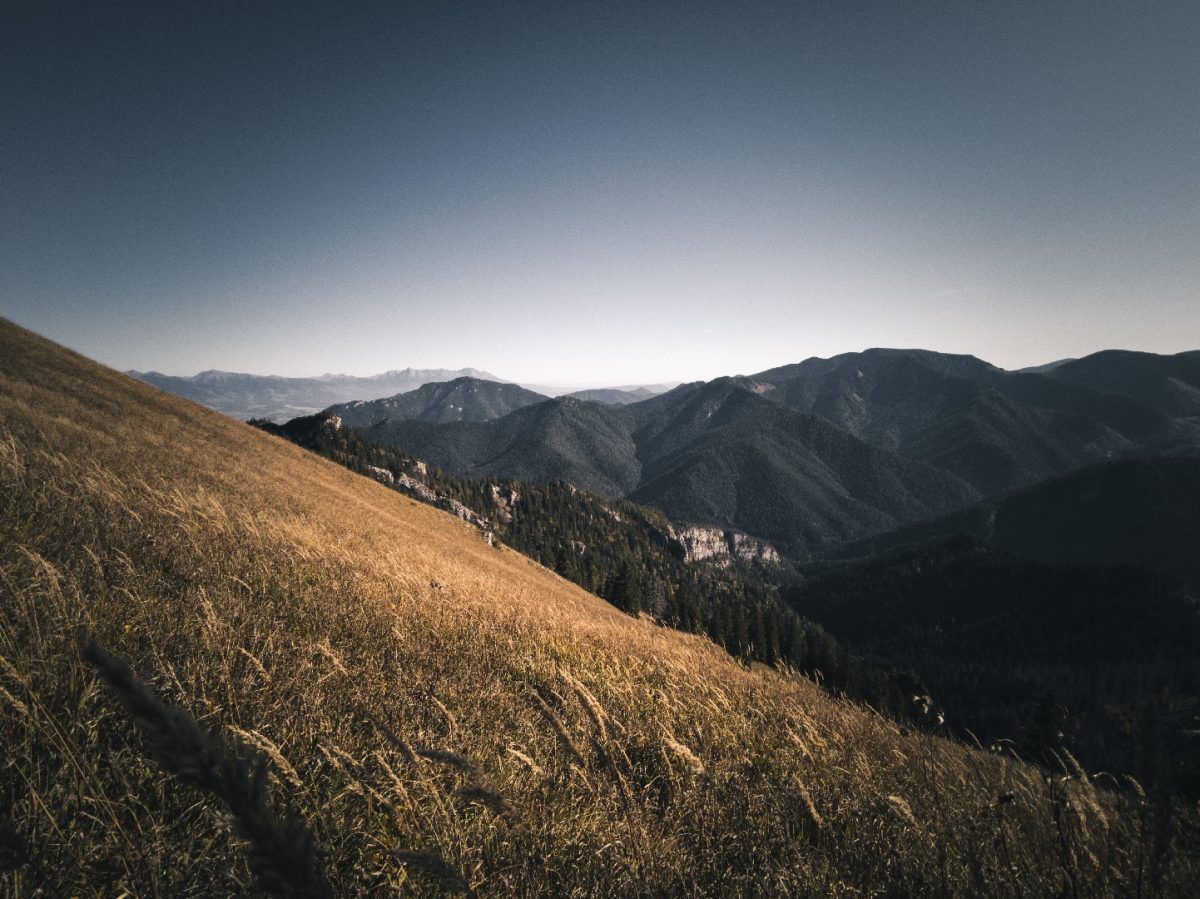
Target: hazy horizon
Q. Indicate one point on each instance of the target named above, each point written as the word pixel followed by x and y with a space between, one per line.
pixel 551 382
pixel 587 196
pixel 563 385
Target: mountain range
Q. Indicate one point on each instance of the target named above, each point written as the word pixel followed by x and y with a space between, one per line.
pixel 276 398
pixel 995 429
pixel 817 454
pixel 712 452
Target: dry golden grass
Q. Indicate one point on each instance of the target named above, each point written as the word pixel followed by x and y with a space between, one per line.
pixel 445 716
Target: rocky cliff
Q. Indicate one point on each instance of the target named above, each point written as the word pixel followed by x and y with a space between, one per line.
pixel 725 546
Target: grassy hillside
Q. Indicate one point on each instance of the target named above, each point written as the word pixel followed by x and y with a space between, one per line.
pixel 628 554
pixel 439 715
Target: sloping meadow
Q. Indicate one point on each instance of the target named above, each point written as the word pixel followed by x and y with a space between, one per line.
pixel 227 666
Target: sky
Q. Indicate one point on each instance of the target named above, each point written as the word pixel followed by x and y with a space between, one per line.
pixel 598 193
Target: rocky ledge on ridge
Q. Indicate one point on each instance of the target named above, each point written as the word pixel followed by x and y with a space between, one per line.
pixel 701 543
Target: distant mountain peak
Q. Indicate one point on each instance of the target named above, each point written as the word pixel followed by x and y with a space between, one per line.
pixel 464 398
pixel 278 398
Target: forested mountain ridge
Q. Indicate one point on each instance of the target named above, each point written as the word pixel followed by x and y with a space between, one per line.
pixel 712 453
pixel 613 396
pixel 998 430
pixel 1139 511
pixel 721 453
pixel 462 399
pixel 566 439
pixel 1170 384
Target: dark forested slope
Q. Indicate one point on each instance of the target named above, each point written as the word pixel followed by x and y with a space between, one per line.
pixel 1140 511
pixel 1102 659
pixel 1170 384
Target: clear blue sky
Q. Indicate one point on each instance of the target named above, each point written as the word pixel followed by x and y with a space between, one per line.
pixel 584 193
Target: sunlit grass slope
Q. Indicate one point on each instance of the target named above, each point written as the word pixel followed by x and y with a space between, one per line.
pixel 343 630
